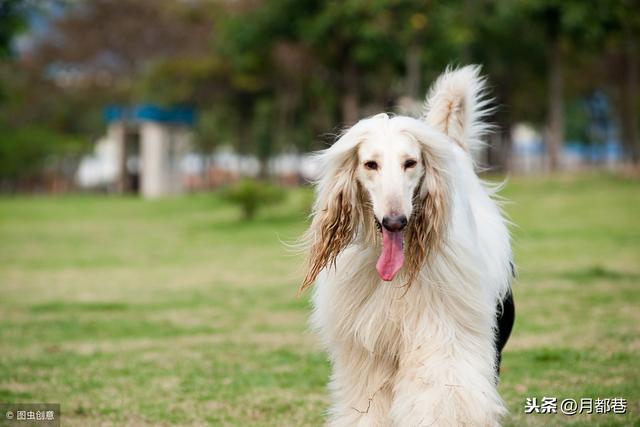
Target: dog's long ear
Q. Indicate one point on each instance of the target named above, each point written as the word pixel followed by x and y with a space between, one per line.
pixel 427 228
pixel 457 106
pixel 338 208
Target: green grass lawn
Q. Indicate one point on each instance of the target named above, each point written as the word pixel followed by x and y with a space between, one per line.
pixel 132 312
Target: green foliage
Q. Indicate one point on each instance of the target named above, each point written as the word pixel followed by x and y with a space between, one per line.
pixel 12 21
pixel 250 195
pixel 22 153
pixel 26 151
pixel 577 122
pixel 281 74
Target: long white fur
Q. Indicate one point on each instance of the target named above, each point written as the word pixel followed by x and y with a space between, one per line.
pixel 422 356
pixel 457 104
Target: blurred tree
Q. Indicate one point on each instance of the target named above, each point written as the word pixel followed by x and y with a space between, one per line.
pixel 107 44
pixel 600 43
pixel 93 53
pixel 352 39
pixel 26 153
pixel 560 51
pixel 327 62
pixel 12 21
pixel 622 44
pixel 575 34
pixel 515 66
pixel 268 76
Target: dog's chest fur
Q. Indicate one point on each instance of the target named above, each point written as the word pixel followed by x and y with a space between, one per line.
pixel 355 306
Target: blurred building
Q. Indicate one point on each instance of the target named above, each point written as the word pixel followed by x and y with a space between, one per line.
pixel 143 151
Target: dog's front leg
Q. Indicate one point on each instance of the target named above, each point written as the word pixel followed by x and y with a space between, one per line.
pixel 360 388
pixel 446 385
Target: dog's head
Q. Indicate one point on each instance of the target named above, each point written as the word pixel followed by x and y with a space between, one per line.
pixel 389 177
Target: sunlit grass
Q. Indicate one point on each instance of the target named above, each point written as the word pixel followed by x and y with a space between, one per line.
pixel 176 312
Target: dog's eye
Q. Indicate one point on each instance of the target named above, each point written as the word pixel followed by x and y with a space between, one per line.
pixel 371 165
pixel 410 164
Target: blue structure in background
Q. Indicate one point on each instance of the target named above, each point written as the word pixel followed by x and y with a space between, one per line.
pixel 596 141
pixel 150 143
pixel 178 115
pixel 595 153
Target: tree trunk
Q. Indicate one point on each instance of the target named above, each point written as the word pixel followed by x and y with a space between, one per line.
pixel 555 123
pixel 206 166
pixel 413 71
pixel 500 156
pixel 350 108
pixel 630 103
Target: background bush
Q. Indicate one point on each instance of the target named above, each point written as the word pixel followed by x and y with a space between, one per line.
pixel 250 195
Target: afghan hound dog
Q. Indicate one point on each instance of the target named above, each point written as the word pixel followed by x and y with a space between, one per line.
pixel 412 265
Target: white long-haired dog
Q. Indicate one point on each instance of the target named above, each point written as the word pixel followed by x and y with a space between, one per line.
pixel 412 263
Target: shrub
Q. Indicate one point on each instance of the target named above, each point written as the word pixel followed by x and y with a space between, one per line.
pixel 250 195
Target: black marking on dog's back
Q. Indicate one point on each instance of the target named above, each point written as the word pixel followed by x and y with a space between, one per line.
pixel 505 317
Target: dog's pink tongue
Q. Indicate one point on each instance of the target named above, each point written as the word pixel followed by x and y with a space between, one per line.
pixel 392 256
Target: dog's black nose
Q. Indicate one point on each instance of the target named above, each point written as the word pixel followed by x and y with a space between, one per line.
pixel 394 223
